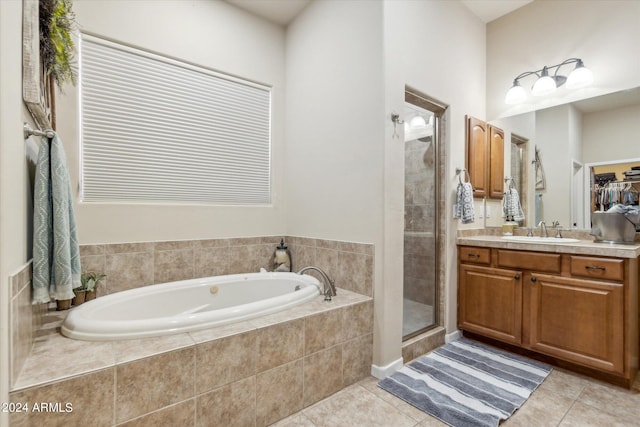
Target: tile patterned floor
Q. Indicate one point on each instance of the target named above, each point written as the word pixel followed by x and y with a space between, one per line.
pixel 564 399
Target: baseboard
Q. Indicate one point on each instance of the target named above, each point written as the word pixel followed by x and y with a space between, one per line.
pixel 453 336
pixel 381 372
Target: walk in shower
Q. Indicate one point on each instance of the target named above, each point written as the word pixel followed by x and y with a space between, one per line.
pixel 421 122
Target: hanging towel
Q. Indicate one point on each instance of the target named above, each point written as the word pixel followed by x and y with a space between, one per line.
pixel 541 182
pixel 511 207
pixel 56 255
pixel 463 208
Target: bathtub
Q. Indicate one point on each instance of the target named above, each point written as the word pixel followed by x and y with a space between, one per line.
pixel 188 305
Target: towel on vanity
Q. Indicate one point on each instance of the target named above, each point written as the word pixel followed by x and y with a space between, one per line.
pixel 56 254
pixel 511 207
pixel 463 208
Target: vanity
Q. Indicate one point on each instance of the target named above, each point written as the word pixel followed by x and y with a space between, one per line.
pixel 572 304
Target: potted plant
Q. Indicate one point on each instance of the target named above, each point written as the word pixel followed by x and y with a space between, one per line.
pixel 63 304
pixel 89 282
pixel 80 294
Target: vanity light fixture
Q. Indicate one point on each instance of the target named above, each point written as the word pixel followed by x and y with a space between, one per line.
pixel 546 84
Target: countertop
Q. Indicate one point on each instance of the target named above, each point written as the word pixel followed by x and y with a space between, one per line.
pixel 584 247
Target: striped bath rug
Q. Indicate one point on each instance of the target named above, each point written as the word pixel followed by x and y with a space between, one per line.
pixel 466 383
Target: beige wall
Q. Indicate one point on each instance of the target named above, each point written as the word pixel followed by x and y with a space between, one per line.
pixel 334 132
pixel 212 34
pixel 604 33
pixel 14 180
pixel 425 48
pixel 611 135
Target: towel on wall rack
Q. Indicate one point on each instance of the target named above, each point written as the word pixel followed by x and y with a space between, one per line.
pixel 56 254
pixel 463 208
pixel 511 207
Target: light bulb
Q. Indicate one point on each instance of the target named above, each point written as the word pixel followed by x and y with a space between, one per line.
pixel 516 94
pixel 581 76
pixel 417 122
pixel 544 85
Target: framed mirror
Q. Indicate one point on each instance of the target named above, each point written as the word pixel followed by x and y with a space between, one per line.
pixel 567 140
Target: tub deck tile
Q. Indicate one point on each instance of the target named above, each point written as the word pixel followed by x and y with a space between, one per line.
pixel 130 350
pixel 55 357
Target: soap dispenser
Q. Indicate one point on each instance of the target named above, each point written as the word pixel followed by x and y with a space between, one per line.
pixel 282 258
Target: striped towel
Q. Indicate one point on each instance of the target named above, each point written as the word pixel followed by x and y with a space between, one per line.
pixel 467 384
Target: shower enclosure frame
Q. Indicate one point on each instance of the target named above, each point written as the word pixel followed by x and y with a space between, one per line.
pixel 439 110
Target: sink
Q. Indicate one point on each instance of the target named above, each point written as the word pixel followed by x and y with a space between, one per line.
pixel 535 239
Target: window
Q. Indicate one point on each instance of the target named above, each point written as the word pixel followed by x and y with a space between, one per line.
pixel 157 130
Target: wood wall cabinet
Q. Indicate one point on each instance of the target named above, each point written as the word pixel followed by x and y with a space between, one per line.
pixel 485 158
pixel 574 308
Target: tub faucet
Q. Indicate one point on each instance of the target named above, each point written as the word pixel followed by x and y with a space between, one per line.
pixel 329 285
pixel 543 229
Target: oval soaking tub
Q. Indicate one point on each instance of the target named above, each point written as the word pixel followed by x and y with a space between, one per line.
pixel 187 305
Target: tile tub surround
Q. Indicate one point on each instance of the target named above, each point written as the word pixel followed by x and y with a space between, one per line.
pixel 258 371
pixel 132 265
pixel 25 320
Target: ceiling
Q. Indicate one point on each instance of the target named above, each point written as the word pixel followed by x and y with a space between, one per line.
pixel 488 10
pixel 282 12
pixel 621 99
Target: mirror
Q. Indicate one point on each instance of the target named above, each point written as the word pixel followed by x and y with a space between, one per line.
pixel 563 143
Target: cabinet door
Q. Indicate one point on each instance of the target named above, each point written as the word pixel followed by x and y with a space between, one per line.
pixel 496 162
pixel 490 302
pixel 477 155
pixel 577 320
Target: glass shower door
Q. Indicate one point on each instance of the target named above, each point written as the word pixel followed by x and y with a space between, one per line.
pixel 419 285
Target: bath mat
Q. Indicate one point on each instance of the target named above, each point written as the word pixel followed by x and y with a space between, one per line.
pixel 467 384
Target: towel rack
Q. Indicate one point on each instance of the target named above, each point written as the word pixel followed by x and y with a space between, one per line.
pixel 460 171
pixel 28 131
pixel 510 182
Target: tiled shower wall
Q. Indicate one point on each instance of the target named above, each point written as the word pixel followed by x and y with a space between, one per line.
pixel 419 220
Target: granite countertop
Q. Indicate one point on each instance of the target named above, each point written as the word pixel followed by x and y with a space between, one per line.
pixel 583 247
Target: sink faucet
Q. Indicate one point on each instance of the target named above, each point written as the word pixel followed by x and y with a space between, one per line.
pixel 329 285
pixel 556 225
pixel 543 229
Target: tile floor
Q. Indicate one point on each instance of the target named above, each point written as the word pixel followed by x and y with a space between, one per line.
pixel 564 399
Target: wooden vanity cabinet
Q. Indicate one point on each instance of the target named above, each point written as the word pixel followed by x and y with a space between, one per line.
pixel 577 320
pixel 580 309
pixel 490 302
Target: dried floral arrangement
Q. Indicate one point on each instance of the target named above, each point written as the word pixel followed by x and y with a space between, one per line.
pixel 57 49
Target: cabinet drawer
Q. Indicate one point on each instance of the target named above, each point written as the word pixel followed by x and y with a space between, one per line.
pixel 597 268
pixel 475 255
pixel 534 261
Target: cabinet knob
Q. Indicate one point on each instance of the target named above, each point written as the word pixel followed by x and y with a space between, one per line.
pixel 517 277
pixel 533 279
pixel 594 267
pixel 473 255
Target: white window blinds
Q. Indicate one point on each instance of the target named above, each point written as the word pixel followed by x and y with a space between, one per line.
pixel 157 130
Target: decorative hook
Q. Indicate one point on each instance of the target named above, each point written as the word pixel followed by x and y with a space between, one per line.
pixel 395 118
pixel 465 174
